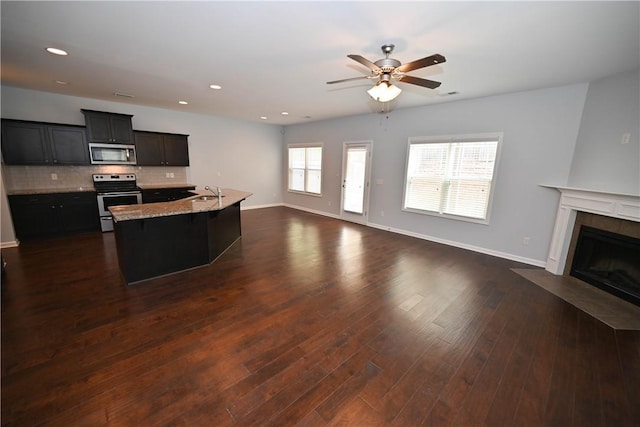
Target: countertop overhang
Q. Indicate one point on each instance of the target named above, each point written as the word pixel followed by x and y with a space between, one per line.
pixel 189 205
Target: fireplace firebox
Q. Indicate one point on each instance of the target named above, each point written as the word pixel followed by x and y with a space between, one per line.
pixel 609 261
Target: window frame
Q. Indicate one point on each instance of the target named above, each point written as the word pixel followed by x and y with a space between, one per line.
pixel 448 139
pixel 306 169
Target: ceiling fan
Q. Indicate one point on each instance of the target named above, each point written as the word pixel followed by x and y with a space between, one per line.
pixel 386 69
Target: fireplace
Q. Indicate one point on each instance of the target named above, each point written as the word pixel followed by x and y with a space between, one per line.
pixel 608 260
pixel 612 225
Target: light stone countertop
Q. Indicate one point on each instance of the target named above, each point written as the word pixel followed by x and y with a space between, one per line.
pixel 164 185
pixel 178 207
pixel 32 191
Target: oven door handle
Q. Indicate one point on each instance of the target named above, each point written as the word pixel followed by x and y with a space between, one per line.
pixel 126 193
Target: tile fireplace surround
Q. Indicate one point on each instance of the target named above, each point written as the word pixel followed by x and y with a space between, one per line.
pixel 573 200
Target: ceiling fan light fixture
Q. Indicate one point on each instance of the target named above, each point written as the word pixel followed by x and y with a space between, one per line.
pixel 384 91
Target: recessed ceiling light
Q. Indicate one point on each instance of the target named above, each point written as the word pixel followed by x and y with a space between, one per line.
pixel 183 102
pixel 57 51
pixel 284 113
pixel 216 87
pixel 62 82
pixel 263 117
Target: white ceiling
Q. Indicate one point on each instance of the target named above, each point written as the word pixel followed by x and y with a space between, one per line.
pixel 271 57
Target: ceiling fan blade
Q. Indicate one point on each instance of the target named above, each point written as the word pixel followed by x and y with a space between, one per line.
pixel 348 80
pixel 420 82
pixel 364 61
pixel 421 63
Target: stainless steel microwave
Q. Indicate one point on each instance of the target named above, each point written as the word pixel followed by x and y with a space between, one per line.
pixel 112 154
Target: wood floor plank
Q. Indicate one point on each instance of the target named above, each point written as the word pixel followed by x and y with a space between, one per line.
pixel 560 403
pixel 588 411
pixel 628 345
pixel 517 368
pixel 306 320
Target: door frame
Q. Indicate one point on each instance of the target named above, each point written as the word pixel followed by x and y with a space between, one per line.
pixel 350 216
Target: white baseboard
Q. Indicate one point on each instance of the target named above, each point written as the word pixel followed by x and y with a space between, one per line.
pixel 312 211
pixel 505 255
pixel 248 208
pixel 512 257
pixel 9 244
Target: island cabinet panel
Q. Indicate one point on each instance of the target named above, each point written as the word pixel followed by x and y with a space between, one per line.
pixel 153 247
pixel 224 228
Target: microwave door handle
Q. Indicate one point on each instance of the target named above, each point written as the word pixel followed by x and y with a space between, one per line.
pixel 127 150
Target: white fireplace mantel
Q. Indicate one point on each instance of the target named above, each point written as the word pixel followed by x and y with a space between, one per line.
pixel 572 200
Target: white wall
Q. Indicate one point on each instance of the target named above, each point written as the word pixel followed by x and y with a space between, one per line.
pixel 601 161
pixel 540 130
pixel 223 152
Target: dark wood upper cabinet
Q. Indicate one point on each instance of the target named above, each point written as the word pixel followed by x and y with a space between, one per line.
pixel 149 148
pixel 176 150
pixel 24 143
pixel 69 145
pixel 111 128
pixel 36 143
pixel 161 149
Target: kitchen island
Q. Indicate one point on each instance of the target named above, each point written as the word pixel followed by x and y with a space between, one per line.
pixel 156 239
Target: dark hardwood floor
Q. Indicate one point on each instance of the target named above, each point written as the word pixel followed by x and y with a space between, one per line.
pixel 305 321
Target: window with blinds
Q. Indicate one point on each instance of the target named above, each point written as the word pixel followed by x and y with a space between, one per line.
pixel 305 169
pixel 451 176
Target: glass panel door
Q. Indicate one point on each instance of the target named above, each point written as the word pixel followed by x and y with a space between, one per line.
pixel 355 181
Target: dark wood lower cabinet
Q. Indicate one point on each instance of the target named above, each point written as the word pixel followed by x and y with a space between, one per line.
pixel 44 215
pixel 166 194
pixel 153 247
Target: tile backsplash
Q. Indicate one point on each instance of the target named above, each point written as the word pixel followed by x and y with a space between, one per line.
pixel 17 178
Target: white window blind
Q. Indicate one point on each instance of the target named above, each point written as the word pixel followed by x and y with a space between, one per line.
pixel 305 169
pixel 452 177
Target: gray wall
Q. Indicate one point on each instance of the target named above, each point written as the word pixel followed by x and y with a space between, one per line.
pixel 223 152
pixel 601 161
pixel 540 130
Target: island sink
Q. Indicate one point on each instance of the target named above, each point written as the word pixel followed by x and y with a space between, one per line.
pixel 205 198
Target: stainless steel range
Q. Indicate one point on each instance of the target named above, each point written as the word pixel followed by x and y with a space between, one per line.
pixel 115 190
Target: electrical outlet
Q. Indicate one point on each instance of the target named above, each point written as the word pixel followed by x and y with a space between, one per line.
pixel 526 240
pixel 54 177
pixel 381 213
pixel 626 137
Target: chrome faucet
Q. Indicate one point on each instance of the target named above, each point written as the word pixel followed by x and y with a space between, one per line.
pixel 218 194
pixel 207 188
